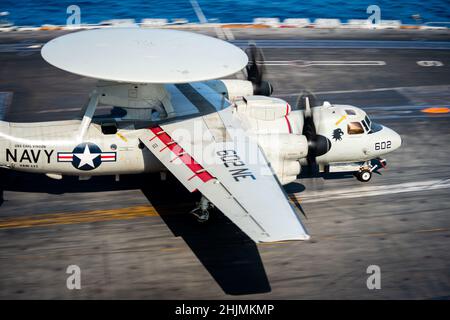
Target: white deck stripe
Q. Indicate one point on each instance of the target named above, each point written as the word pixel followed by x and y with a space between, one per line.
pixel 371 191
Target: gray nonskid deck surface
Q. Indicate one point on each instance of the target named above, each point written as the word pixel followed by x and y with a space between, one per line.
pixel 399 221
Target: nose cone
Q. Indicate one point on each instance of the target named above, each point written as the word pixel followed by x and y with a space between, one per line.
pixel 397 141
pixel 394 137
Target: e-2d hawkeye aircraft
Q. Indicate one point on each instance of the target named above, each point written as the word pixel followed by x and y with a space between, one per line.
pixel 227 139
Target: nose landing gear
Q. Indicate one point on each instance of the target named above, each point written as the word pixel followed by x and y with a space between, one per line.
pixel 365 172
pixel 364 175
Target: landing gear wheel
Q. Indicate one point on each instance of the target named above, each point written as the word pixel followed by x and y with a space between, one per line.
pixel 364 176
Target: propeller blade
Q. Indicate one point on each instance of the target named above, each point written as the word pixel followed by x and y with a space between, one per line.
pixel 306 100
pixel 256 70
pixel 255 67
pixel 317 144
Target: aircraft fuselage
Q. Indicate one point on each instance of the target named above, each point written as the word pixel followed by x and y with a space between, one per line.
pixel 52 149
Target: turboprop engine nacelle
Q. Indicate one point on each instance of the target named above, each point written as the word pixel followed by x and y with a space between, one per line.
pixel 276 127
pixel 284 146
pixel 235 89
pixel 284 152
pixel 264 108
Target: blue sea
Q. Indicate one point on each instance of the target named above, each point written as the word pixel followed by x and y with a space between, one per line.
pixel 26 12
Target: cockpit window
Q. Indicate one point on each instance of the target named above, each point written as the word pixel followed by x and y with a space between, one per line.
pixel 355 128
pixel 365 125
pixel 350 112
pixel 369 124
pixel 375 127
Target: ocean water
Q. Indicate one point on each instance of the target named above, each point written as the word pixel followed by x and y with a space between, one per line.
pixel 27 12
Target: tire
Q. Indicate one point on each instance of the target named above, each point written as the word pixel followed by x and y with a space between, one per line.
pixel 364 176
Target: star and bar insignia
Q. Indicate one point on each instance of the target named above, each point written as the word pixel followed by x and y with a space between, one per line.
pixel 87 156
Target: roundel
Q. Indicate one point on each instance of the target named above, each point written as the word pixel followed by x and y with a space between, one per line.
pixel 86 156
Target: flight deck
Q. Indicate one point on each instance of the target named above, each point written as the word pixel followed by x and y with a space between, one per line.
pixel 134 238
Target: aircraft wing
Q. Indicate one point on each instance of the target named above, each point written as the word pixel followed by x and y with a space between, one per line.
pixel 205 155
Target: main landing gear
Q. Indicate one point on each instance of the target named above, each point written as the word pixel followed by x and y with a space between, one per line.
pixel 365 172
pixel 201 211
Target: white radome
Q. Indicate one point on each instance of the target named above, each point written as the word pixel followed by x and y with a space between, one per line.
pixel 135 55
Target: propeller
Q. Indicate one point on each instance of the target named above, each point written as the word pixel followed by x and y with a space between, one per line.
pixel 306 100
pixel 255 71
pixel 317 144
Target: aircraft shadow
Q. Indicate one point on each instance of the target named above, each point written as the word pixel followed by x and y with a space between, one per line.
pixel 231 258
pixel 228 254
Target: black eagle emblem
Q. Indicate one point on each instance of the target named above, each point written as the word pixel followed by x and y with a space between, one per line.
pixel 337 134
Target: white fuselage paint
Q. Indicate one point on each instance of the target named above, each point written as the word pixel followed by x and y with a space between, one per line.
pixel 22 151
pixel 53 148
pixel 347 147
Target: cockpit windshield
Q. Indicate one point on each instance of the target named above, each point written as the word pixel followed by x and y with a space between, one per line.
pixel 367 124
pixel 368 121
pixel 370 126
